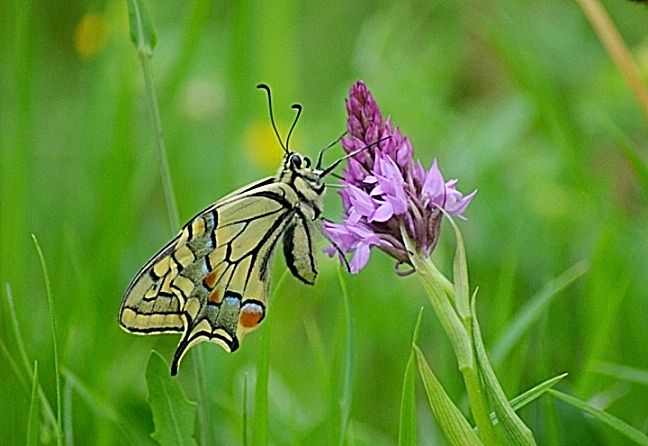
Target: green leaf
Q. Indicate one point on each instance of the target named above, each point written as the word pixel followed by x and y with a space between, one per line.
pixel 535 392
pixel 174 416
pixel 450 419
pixel 407 421
pixel 460 275
pixel 517 433
pixel 141 27
pixel 532 394
pixel 33 421
pixel 615 423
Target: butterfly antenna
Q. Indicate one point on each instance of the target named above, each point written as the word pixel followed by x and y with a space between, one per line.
pixel 274 126
pixel 350 155
pixel 319 157
pixel 297 107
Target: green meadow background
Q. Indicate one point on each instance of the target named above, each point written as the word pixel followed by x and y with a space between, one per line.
pixel 515 98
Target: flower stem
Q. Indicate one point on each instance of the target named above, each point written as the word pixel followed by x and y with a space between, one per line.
pixel 459 330
pixel 478 405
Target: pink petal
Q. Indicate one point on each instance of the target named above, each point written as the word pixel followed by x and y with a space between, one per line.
pixel 383 213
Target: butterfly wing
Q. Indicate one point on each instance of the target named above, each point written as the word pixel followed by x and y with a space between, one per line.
pixel 298 248
pixel 211 282
pixel 150 306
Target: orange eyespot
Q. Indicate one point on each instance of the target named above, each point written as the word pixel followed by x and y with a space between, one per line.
pixel 251 315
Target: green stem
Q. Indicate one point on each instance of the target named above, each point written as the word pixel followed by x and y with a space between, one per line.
pixel 347 377
pixel 156 121
pixel 459 330
pixel 478 405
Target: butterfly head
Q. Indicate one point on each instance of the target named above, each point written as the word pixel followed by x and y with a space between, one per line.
pixel 298 170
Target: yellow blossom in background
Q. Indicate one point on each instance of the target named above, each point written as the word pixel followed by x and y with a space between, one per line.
pixel 261 145
pixel 90 34
pixel 202 99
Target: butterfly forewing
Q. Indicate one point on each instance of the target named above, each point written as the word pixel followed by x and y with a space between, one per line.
pixel 298 249
pixel 146 308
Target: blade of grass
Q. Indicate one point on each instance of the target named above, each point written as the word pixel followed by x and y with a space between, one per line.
pixel 531 394
pixel 536 391
pixel 407 420
pixel 57 375
pixel 533 310
pixel 14 366
pixel 347 367
pixel 454 425
pixel 615 423
pixel 16 330
pixel 33 421
pixel 23 354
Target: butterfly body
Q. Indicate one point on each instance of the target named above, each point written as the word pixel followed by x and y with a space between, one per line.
pixel 211 281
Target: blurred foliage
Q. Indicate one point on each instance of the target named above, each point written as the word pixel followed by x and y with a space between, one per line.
pixel 514 98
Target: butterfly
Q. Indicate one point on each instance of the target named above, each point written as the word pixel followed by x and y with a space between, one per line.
pixel 211 281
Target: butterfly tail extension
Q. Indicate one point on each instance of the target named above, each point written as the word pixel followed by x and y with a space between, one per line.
pixel 224 324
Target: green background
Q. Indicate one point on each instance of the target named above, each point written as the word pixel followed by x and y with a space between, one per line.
pixel 517 99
